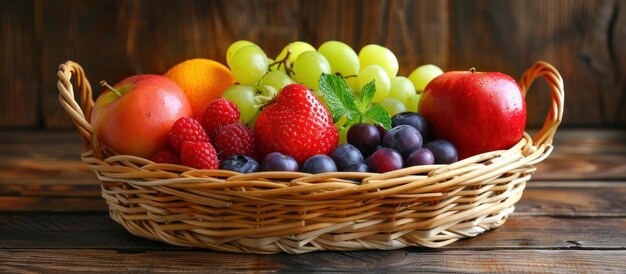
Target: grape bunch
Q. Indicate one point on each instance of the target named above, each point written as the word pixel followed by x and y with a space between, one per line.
pixel 259 77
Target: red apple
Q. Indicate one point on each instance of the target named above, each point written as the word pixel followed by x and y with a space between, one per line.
pixel 134 116
pixel 476 111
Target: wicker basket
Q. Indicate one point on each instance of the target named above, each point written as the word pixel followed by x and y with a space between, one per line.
pixel 271 212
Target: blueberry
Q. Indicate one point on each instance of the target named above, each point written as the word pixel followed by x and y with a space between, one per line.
pixel 277 161
pixel 422 156
pixel 413 119
pixel 404 139
pixel 357 167
pixel 240 163
pixel 385 160
pixel 444 151
pixel 319 164
pixel 363 136
pixel 345 155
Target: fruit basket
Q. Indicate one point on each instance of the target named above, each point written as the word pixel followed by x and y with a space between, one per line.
pixel 272 212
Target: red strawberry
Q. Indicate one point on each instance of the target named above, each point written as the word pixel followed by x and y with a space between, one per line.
pixel 296 124
pixel 166 156
pixel 234 139
pixel 200 155
pixel 187 129
pixel 219 113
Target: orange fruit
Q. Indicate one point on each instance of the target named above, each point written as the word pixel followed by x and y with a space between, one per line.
pixel 202 80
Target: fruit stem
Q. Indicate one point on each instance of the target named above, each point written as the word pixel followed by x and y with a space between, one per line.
pixel 472 69
pixel 104 84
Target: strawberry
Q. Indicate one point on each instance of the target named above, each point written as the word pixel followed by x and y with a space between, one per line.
pixel 296 124
pixel 187 129
pixel 219 113
pixel 166 156
pixel 234 139
pixel 200 155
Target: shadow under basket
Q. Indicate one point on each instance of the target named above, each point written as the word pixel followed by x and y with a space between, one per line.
pixel 271 212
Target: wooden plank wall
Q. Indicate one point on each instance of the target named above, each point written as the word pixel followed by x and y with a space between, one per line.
pixel 585 40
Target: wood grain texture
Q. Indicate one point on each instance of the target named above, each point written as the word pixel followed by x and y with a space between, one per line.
pixel 19 90
pixel 577 37
pixel 469 261
pixel 116 39
pixel 96 230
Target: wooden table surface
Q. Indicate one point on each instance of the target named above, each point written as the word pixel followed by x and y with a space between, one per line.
pixel 572 218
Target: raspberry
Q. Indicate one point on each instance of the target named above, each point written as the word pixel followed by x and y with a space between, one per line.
pixel 200 155
pixel 219 113
pixel 166 156
pixel 234 139
pixel 187 129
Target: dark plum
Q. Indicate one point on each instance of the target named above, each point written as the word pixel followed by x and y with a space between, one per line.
pixel 422 156
pixel 386 160
pixel 413 119
pixel 240 163
pixel 345 155
pixel 319 163
pixel 357 167
pixel 277 161
pixel 444 151
pixel 404 139
pixel 363 136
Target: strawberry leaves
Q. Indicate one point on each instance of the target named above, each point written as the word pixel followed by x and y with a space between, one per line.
pixel 344 103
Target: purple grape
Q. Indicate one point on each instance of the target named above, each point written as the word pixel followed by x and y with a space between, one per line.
pixel 357 167
pixel 413 119
pixel 386 160
pixel 381 130
pixel 364 137
pixel 422 156
pixel 319 163
pixel 404 139
pixel 277 161
pixel 240 163
pixel 444 151
pixel 345 155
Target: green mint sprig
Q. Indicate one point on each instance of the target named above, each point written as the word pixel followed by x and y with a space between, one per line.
pixel 344 103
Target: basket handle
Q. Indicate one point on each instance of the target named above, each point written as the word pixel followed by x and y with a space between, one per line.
pixel 78 113
pixel 541 68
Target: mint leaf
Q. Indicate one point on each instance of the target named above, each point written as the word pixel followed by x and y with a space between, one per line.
pixel 378 115
pixel 339 97
pixel 367 94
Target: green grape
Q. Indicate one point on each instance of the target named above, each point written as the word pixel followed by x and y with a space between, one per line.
pixel 341 57
pixel 422 75
pixel 412 102
pixel 248 65
pixel 401 88
pixel 308 67
pixel 375 72
pixel 234 47
pixel 379 55
pixel 353 82
pixel 297 48
pixel 392 106
pixel 343 135
pixel 243 97
pixel 277 79
pixel 252 121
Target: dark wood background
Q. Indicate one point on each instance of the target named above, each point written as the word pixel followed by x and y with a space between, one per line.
pixel 585 40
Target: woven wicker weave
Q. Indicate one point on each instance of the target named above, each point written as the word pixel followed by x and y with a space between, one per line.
pixel 270 212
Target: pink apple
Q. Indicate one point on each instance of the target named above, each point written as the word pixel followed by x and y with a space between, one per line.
pixel 476 111
pixel 137 117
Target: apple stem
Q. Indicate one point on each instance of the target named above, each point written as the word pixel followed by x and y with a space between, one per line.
pixel 473 69
pixel 104 84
